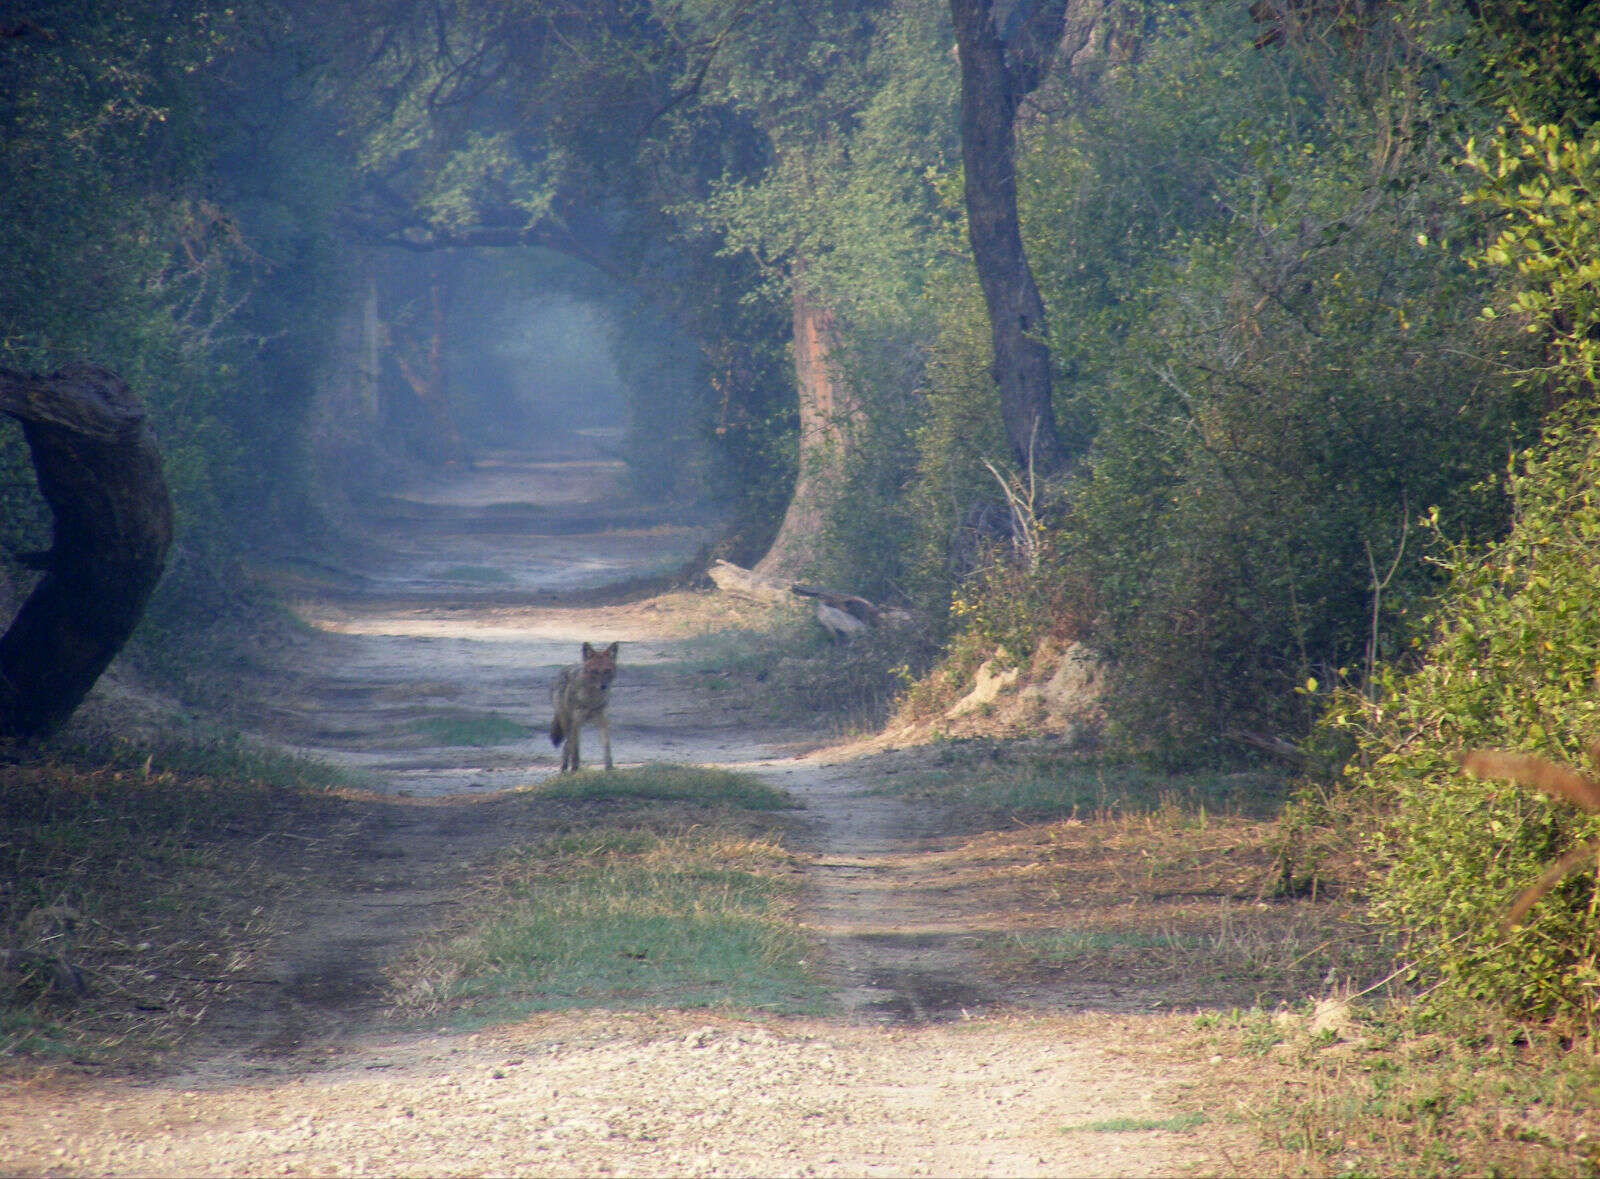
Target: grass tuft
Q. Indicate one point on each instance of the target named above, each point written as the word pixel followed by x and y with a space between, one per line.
pixel 623 919
pixel 1173 1125
pixel 702 785
pixel 471 728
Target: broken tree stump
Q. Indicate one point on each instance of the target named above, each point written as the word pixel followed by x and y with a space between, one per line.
pixel 100 473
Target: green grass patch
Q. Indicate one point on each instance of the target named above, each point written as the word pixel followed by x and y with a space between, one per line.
pixel 477 574
pixel 987 777
pixel 703 785
pixel 1173 1125
pixel 1064 945
pixel 471 728
pixel 624 919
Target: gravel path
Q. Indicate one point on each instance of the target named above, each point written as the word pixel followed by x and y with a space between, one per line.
pixel 664 1095
pixel 929 1067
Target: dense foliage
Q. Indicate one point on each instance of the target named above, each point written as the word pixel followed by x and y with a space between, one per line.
pixel 1265 329
pixel 1514 656
pixel 1513 665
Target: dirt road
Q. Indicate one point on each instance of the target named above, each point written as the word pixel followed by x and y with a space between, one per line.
pixel 473 590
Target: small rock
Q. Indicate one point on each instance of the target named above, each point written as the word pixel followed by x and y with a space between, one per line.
pixel 1332 1016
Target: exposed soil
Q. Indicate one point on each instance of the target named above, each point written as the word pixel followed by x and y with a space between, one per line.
pixel 465 597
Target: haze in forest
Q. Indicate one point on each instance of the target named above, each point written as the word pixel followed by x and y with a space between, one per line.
pixel 1241 353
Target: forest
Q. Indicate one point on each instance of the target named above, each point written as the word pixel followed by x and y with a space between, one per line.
pixel 1244 353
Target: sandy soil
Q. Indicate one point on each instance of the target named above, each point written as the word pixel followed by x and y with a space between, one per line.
pixel 473 589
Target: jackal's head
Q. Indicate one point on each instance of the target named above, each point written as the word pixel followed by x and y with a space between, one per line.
pixel 599 667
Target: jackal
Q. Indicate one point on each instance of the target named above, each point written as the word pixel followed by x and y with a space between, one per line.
pixel 579 696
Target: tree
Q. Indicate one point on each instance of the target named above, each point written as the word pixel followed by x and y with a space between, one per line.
pixel 1543 57
pixel 851 226
pixel 1000 67
pixel 100 473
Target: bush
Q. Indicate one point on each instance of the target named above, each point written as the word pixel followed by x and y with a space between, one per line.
pixel 1515 654
pixel 1282 375
pixel 1512 665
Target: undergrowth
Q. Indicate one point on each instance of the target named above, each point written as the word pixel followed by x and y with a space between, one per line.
pixel 788 667
pixel 1418 1091
pixel 1511 665
pixel 146 875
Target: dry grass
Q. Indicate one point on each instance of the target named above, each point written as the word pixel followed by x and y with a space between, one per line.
pixel 1390 1091
pixel 149 874
pixel 1177 908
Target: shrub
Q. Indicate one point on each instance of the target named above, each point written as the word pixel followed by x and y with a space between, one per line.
pixel 1513 664
pixel 1515 655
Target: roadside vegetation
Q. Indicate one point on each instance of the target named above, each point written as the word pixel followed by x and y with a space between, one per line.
pixel 789 667
pixel 1396 1090
pixel 146 876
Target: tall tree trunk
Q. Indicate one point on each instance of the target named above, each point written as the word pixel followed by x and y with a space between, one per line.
pixel 366 384
pixel 99 471
pixel 444 443
pixel 995 75
pixel 827 407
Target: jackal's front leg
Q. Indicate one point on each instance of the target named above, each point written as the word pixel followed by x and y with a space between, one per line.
pixel 605 738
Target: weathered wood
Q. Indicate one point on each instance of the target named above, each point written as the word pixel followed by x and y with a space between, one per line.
pixel 1284 750
pixel 99 471
pixel 844 616
pixel 746 583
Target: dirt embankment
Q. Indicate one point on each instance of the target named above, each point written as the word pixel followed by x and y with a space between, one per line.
pixel 471 592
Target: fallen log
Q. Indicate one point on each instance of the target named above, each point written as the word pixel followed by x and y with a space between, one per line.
pixel 745 583
pixel 844 616
pixel 1276 746
pixel 100 473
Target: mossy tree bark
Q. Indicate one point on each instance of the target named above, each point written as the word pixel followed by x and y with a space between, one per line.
pixel 100 473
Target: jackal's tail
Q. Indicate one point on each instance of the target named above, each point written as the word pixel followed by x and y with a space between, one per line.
pixel 555 730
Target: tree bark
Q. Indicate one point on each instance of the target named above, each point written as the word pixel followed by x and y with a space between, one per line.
pixel 100 473
pixel 827 406
pixel 995 75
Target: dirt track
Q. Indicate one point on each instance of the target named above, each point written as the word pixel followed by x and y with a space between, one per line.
pixel 474 590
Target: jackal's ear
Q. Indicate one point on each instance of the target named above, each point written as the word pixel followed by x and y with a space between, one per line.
pixel 588 651
pixel 612 650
